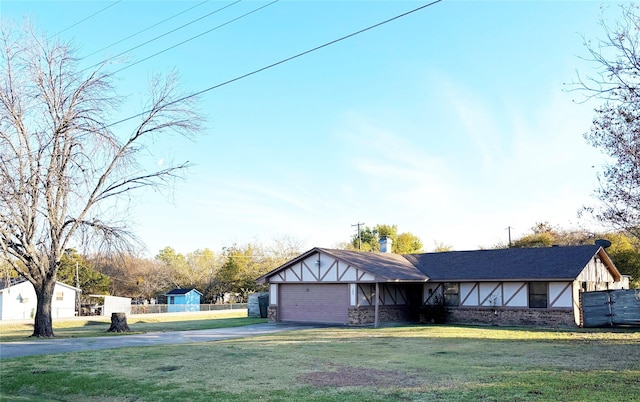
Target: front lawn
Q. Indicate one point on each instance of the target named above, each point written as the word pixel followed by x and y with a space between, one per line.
pixel 347 364
pixel 97 325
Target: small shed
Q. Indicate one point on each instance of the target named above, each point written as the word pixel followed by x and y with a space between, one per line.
pixel 183 299
pixel 18 300
pixel 114 304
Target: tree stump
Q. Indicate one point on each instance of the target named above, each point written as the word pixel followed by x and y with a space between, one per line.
pixel 119 323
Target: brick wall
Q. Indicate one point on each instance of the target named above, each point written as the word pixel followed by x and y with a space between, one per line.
pixel 366 314
pixel 459 315
pixel 525 316
pixel 272 313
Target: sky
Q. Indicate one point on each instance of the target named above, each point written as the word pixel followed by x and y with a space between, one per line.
pixel 453 122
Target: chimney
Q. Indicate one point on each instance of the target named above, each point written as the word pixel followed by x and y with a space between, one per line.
pixel 385 244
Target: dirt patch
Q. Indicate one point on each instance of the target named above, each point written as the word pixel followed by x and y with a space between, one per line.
pixel 360 377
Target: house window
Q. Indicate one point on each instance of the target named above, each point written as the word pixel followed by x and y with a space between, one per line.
pixel 451 293
pixel 59 296
pixel 538 294
pixel 171 300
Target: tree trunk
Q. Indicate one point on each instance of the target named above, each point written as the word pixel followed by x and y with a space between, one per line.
pixel 119 323
pixel 43 324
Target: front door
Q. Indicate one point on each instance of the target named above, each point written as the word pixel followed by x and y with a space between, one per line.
pixel 414 301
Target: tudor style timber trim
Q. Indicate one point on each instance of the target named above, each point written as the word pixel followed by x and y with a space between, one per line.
pixel 523 286
pixel 472 291
pixel 560 295
pixel 389 294
pixel 321 268
pixel 505 294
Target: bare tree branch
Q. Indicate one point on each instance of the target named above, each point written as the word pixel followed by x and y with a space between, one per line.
pixel 60 161
pixel 616 125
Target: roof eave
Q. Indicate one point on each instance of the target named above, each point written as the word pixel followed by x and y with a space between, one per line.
pixel 501 279
pixel 617 276
pixel 390 280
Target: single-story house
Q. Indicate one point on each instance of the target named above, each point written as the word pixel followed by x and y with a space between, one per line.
pixel 537 286
pixel 18 300
pixel 181 300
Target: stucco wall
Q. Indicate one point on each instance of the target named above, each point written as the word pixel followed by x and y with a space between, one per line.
pixel 319 267
pixel 390 294
pixel 527 317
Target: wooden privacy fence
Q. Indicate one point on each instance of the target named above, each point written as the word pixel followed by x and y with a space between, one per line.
pixel 608 308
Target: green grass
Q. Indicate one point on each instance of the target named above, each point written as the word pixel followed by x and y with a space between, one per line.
pixel 97 326
pixel 407 363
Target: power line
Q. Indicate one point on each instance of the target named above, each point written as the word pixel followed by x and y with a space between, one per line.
pixel 145 29
pixel 281 61
pixel 193 37
pixel 84 19
pixel 163 35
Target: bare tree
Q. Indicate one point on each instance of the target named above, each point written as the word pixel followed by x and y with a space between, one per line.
pixel 616 125
pixel 131 276
pixel 62 166
pixel 282 249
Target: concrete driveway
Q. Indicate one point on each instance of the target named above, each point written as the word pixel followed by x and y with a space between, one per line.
pixel 30 347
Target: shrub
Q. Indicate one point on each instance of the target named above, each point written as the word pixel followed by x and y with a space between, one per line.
pixel 435 312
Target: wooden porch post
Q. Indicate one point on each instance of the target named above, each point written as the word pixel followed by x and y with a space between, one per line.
pixel 375 319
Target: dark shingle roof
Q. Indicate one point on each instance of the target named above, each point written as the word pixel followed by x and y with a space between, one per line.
pixel 180 291
pixel 390 267
pixel 548 263
pixel 505 264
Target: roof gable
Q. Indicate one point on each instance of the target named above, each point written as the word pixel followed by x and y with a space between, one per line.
pixel 384 267
pixel 182 291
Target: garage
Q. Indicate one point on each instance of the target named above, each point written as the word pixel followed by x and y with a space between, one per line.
pixel 310 302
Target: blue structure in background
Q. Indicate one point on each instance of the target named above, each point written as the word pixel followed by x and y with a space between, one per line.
pixel 181 300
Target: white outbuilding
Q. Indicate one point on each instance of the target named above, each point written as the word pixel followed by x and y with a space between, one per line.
pixel 18 301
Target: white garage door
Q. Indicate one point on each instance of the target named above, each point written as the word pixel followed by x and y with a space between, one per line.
pixel 322 303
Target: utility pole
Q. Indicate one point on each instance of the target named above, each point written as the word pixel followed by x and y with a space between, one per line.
pixel 358 234
pixel 78 306
pixel 509 231
pixel 211 283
